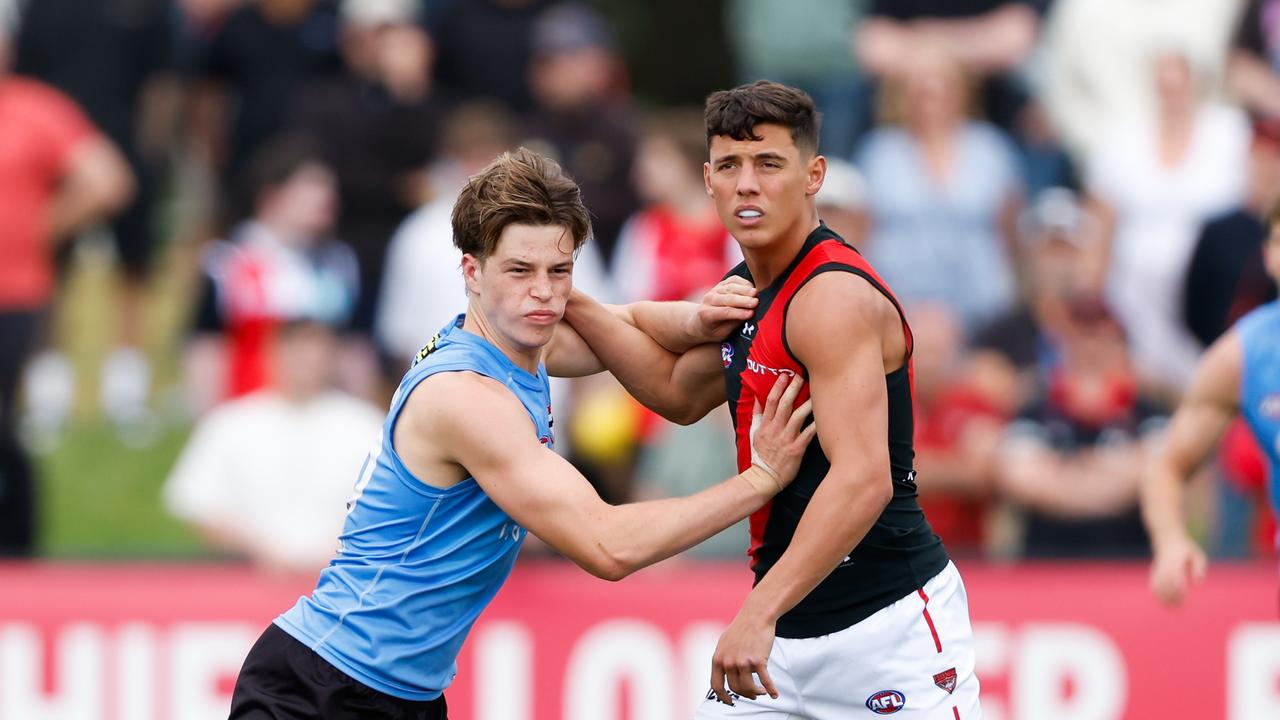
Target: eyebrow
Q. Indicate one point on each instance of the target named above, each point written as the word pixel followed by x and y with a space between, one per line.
pixel 516 262
pixel 764 155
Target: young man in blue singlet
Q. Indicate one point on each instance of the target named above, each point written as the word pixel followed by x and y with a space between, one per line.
pixel 463 470
pixel 1238 375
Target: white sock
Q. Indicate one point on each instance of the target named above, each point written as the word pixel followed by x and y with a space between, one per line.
pixel 125 385
pixel 49 390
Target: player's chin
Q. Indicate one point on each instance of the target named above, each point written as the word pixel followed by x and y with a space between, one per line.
pixel 537 334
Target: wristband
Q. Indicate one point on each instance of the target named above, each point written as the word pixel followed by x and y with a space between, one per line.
pixel 762 478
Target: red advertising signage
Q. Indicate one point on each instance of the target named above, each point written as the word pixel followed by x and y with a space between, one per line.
pixel 1062 642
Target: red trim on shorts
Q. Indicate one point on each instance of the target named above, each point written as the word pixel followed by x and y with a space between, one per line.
pixel 955 711
pixel 927 618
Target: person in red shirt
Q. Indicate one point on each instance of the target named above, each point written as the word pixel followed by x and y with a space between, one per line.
pixel 59 174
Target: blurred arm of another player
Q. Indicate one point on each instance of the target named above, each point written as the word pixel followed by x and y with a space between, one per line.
pixel 846 354
pixel 469 425
pixel 1202 417
pixel 661 352
pixel 95 184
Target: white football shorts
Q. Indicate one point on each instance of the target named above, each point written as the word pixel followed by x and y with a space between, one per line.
pixel 912 660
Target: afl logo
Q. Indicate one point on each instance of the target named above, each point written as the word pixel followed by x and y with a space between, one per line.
pixel 1270 407
pixel 886 702
pixel 726 354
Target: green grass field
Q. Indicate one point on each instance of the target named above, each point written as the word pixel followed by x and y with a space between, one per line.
pixel 98 497
pixel 101 499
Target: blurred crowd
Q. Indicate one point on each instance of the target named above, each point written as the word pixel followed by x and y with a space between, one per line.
pixel 1067 195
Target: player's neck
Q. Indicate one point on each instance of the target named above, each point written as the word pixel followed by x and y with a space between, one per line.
pixel 477 323
pixel 769 260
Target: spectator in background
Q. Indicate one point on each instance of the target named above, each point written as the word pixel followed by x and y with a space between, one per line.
pixel 989 39
pixel 842 201
pixel 1226 276
pixel 582 117
pixel 117 74
pixel 675 247
pixel 1095 69
pixel 378 126
pixel 59 174
pixel 942 194
pixel 254 63
pixel 1073 459
pixel 1253 66
pixel 958 430
pixel 485 49
pixel 1153 184
pixel 805 44
pixel 1011 356
pixel 280 262
pixel 266 475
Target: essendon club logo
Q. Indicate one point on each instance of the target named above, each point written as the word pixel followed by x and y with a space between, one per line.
pixel 946 680
pixel 886 702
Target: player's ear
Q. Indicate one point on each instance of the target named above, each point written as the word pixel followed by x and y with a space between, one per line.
pixel 471 269
pixel 817 174
pixel 706 177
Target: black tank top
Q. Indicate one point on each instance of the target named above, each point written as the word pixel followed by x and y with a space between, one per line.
pixel 900 552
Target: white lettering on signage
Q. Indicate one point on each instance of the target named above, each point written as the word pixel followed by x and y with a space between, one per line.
pixel 1253 672
pixel 185 671
pixel 1049 655
pixel 204 655
pixel 504 671
pixel 614 652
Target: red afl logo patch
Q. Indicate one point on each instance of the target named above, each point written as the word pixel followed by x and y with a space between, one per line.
pixel 726 354
pixel 886 702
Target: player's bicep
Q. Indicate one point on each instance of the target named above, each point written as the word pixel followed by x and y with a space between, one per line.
pixel 1209 406
pixel 698 376
pixel 489 433
pixel 843 354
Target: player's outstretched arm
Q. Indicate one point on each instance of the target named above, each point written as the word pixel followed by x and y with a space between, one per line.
pixel 676 326
pixel 475 423
pixel 1205 412
pixel 682 387
pixel 681 326
pixel 844 356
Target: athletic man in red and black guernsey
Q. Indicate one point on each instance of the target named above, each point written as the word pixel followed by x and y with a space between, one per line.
pixel 856 609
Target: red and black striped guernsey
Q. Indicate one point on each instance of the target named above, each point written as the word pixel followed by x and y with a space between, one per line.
pixel 900 552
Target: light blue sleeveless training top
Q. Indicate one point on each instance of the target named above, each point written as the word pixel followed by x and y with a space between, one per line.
pixel 417 564
pixel 1260 386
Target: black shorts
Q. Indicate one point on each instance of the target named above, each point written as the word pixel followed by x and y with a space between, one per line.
pixel 284 679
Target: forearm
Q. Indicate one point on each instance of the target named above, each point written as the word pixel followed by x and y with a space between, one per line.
pixel 1161 498
pixel 637 535
pixel 994 42
pixel 71 210
pixel 96 185
pixel 1067 488
pixel 838 516
pixel 643 366
pixel 668 323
